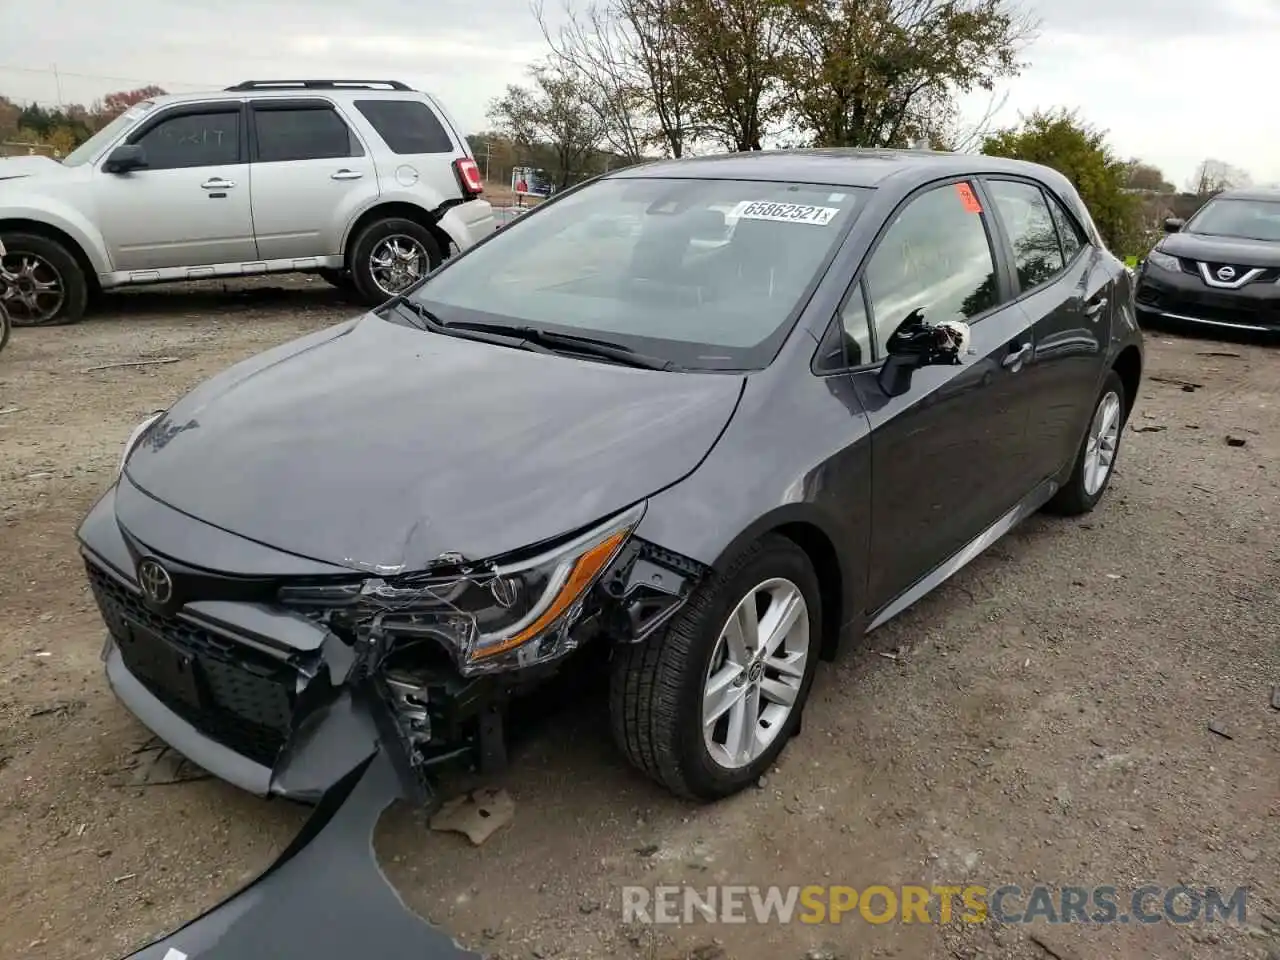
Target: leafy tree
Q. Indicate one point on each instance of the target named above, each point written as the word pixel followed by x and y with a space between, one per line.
pixel 553 112
pixel 739 48
pixel 1145 176
pixel 870 73
pixel 114 104
pixel 1058 139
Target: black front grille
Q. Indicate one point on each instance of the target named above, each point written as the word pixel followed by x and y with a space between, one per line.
pixel 251 695
pixel 1268 275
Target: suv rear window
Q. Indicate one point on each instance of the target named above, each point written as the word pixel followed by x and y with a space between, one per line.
pixel 407 126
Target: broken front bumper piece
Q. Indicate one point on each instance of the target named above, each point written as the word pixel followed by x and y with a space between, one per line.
pixel 252 678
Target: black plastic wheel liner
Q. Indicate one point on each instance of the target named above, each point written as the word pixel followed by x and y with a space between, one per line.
pixel 324 897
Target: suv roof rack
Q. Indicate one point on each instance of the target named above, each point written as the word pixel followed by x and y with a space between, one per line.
pixel 320 84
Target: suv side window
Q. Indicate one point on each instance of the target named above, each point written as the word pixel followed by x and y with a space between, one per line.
pixel 1032 234
pixel 406 126
pixel 193 140
pixel 302 133
pixel 1069 232
pixel 935 257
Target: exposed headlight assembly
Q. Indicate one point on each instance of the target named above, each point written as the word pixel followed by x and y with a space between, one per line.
pixel 491 616
pixel 1164 261
pixel 138 432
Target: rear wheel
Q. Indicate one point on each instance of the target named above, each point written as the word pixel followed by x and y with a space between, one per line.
pixel 391 255
pixel 1095 461
pixel 41 282
pixel 4 326
pixel 707 706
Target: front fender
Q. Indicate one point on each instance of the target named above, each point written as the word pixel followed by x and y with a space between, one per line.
pixel 64 217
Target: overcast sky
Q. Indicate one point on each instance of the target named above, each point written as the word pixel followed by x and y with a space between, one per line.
pixel 1173 81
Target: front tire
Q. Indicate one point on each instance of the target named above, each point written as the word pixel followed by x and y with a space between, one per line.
pixel 706 707
pixel 390 255
pixel 41 282
pixel 1096 458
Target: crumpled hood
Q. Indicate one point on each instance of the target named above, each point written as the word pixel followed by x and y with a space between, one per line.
pixel 373 444
pixel 13 168
pixel 1246 253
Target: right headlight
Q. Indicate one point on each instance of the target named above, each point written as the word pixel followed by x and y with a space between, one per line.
pixel 138 432
pixel 1164 261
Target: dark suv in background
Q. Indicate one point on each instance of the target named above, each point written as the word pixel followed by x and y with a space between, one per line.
pixel 1219 269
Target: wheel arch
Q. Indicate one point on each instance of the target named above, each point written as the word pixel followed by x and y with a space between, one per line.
pixel 58 235
pixel 1128 366
pixel 804 526
pixel 396 209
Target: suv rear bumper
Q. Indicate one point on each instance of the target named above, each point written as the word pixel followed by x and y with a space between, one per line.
pixel 469 223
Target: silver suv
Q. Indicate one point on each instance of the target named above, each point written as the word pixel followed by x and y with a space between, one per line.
pixel 368 183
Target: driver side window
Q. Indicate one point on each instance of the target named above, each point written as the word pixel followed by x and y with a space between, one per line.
pixel 193 140
pixel 936 258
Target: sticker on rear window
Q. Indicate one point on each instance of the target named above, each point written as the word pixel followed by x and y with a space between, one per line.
pixel 967 199
pixel 785 212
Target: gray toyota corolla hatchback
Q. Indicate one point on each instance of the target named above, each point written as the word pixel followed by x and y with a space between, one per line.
pixel 705 417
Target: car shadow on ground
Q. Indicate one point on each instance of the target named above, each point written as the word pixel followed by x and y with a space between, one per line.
pixel 218 298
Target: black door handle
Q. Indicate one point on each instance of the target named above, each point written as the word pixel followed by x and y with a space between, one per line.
pixel 1016 356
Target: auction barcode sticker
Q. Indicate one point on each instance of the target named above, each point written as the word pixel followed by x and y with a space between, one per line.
pixel 784 212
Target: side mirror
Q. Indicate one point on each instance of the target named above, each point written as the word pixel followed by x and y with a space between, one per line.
pixel 125 158
pixel 1174 224
pixel 918 344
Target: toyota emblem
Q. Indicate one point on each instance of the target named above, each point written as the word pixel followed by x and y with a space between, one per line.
pixel 157 585
pixel 1226 273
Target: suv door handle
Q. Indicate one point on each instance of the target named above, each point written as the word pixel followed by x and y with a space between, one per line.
pixel 1095 306
pixel 1015 358
pixel 345 174
pixel 217 183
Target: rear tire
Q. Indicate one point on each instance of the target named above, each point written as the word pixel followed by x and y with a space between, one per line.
pixel 662 688
pixel 5 325
pixel 390 255
pixel 47 274
pixel 1101 443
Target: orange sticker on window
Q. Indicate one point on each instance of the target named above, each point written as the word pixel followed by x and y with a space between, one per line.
pixel 967 199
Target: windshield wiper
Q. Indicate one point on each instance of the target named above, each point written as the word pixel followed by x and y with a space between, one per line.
pixel 568 343
pixel 425 319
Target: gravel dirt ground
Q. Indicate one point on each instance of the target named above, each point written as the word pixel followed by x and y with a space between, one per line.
pixel 1043 718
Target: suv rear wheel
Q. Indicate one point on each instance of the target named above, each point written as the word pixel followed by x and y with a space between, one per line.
pixel 705 707
pixel 41 282
pixel 390 255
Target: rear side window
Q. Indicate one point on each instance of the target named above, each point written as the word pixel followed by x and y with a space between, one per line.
pixel 935 258
pixel 1069 231
pixel 406 126
pixel 302 134
pixel 1032 234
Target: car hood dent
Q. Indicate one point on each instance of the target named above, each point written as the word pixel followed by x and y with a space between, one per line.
pixel 1249 253
pixel 380 448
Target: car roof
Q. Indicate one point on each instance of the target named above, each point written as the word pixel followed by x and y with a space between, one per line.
pixel 846 167
pixel 1250 193
pixel 318 89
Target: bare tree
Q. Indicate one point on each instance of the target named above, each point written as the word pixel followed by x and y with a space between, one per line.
pixel 552 114
pixel 598 48
pixel 659 49
pixel 1214 176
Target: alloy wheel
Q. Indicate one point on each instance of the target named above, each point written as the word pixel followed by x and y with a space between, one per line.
pixel 1104 437
pixel 31 288
pixel 397 262
pixel 753 680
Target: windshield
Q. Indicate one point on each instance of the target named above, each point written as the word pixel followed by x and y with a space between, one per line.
pixel 705 273
pixel 91 147
pixel 1245 219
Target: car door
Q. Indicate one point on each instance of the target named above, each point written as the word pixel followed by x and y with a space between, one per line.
pixel 190 205
pixel 949 454
pixel 311 177
pixel 1064 287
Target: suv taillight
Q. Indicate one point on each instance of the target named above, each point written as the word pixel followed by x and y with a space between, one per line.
pixel 469 176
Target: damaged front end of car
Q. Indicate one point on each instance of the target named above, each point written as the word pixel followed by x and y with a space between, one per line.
pixel 436 656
